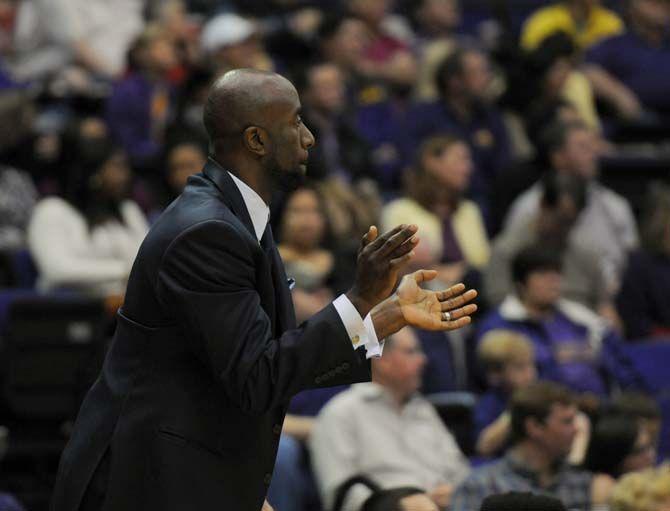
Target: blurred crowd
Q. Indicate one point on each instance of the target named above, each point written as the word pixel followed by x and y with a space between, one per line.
pixel 519 135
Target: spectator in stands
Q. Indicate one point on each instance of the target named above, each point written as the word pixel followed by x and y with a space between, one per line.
pixel 302 234
pixel 573 345
pixel 625 70
pixel 229 41
pixel 583 279
pixel 88 241
pixel 173 16
pixel 648 490
pixel 547 78
pixel 606 224
pixel 386 52
pixel 382 123
pixel 142 103
pixel 586 21
pixel 464 109
pixel 412 448
pixel 644 408
pixel 619 444
pixel 341 152
pixel 507 359
pixel 542 418
pixel 104 36
pixel 453 236
pixel 184 158
pixel 44 38
pixel 453 240
pixel 342 41
pixel 436 24
pixel 531 162
pixel 643 301
pixel 436 19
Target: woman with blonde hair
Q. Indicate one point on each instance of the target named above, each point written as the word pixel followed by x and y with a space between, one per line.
pixel 647 490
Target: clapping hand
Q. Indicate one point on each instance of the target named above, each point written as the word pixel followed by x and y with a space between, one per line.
pixel 380 259
pixel 434 310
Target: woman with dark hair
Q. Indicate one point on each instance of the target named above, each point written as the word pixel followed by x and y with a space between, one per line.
pixel 88 240
pixel 619 444
pixel 303 230
pixel 453 236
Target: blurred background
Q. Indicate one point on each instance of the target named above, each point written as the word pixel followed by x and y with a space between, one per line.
pixel 530 142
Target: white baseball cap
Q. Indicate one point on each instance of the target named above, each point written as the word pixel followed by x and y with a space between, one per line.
pixel 225 30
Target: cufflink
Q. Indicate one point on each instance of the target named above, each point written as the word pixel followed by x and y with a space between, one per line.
pixel 355 340
pixel 291 282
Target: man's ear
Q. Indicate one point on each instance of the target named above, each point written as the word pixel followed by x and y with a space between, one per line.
pixel 533 427
pixel 256 140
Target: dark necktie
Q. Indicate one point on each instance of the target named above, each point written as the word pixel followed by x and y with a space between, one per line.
pixel 267 242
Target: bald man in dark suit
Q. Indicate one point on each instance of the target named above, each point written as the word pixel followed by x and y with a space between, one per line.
pixel 188 409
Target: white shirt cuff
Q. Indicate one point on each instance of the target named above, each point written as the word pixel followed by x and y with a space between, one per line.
pixel 361 331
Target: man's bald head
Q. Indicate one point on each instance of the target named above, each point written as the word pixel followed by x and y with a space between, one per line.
pixel 255 129
pixel 242 98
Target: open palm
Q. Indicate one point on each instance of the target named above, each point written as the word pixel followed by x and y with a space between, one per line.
pixel 423 308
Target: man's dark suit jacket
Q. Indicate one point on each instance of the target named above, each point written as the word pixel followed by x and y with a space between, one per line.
pixel 188 409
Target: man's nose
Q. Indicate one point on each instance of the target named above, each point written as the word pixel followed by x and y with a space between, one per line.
pixel 308 139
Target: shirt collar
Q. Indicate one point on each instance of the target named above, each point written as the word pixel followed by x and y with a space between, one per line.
pixel 511 309
pixel 258 210
pixel 372 391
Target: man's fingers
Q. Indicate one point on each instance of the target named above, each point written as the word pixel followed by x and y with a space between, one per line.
pixel 469 309
pixel 454 290
pixel 457 301
pixel 401 250
pixel 423 275
pixel 369 236
pixel 379 240
pixel 456 324
pixel 400 243
pixel 389 241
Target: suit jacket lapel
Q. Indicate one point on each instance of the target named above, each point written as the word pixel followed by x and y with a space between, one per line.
pixel 278 306
pixel 233 199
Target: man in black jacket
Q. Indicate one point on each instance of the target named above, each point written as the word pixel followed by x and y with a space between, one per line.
pixel 188 409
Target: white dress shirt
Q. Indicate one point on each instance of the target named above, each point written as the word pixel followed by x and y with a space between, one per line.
pixel 361 331
pixel 363 431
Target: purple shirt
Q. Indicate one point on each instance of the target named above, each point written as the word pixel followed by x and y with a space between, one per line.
pixel 563 353
pixel 137 112
pixel 490 406
pixel 639 66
